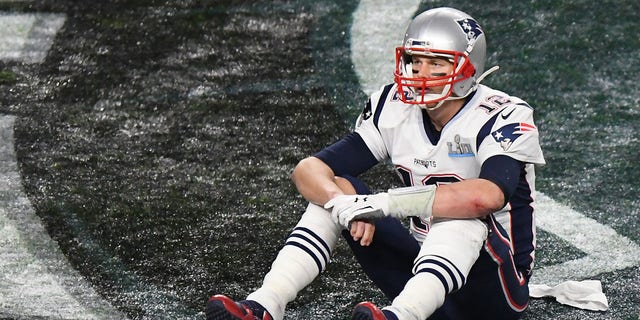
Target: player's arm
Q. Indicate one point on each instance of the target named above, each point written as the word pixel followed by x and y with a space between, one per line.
pixel 472 198
pixel 314 176
pixel 315 181
pixel 317 177
pixel 498 180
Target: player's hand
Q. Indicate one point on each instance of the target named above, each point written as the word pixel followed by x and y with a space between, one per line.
pixel 338 204
pixel 348 208
pixel 363 232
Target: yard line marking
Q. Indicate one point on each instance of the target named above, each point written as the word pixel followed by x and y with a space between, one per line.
pixel 606 250
pixel 37 279
pixel 28 37
pixel 378 27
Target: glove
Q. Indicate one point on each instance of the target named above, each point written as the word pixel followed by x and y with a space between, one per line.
pixel 399 203
pixel 346 208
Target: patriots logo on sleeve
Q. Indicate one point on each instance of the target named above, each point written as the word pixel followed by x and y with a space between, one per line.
pixel 509 133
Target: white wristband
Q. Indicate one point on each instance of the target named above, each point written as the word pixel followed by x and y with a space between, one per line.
pixel 412 201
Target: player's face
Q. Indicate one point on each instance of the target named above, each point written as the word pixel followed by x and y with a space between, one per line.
pixel 432 68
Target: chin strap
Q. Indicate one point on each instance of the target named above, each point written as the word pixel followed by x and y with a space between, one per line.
pixel 438 105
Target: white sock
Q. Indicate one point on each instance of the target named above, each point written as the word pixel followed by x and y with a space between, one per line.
pixel 449 251
pixel 305 254
pixel 429 292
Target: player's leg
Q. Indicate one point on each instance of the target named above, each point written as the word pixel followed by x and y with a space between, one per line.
pixel 388 260
pixel 304 256
pixel 442 266
pixel 495 289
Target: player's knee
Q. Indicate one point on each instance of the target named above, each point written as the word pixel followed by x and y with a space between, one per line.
pixel 351 185
pixel 456 242
pixel 345 185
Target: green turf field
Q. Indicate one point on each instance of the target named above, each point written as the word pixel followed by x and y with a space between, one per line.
pixel 153 142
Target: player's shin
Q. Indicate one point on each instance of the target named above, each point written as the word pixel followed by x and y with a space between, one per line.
pixel 442 266
pixel 421 296
pixel 304 256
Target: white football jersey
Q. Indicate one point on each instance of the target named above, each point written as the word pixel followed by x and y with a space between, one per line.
pixel 490 123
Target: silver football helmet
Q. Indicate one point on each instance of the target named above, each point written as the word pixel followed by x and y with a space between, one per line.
pixel 447 33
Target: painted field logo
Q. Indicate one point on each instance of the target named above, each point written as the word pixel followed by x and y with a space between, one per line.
pixel 28 37
pixel 27 254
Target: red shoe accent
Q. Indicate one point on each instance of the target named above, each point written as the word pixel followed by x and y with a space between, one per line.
pixel 367 310
pixel 237 310
pixel 222 307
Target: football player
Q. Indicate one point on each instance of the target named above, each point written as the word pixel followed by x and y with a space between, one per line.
pixel 465 153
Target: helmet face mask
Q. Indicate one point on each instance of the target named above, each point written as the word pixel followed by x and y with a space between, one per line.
pixel 424 91
pixel 442 33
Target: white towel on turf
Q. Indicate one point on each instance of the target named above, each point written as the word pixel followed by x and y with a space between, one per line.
pixel 585 294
